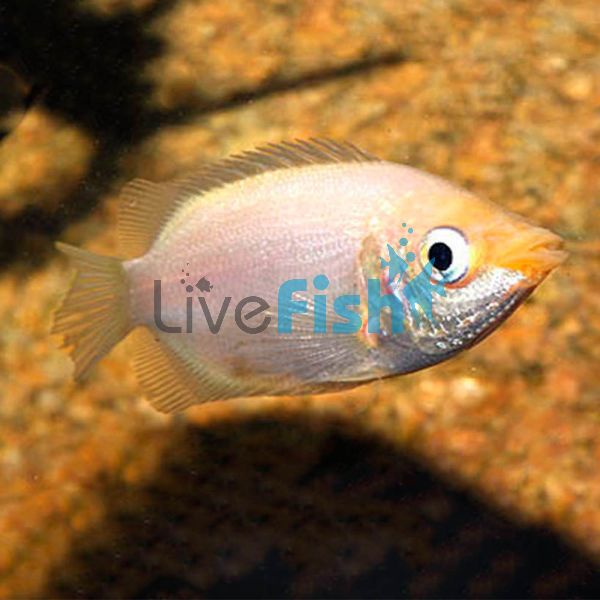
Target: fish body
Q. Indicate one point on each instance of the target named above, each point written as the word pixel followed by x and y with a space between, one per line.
pixel 237 272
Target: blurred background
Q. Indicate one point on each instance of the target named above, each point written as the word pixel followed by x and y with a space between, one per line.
pixel 476 478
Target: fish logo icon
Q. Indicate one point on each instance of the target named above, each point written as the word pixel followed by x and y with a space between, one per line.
pixel 417 292
pixel 396 264
pixel 204 285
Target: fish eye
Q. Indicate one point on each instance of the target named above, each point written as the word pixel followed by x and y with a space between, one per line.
pixel 448 251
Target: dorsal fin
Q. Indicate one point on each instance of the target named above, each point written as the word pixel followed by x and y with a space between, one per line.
pixel 147 206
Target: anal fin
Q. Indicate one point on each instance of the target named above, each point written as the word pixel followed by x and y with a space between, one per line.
pixel 174 382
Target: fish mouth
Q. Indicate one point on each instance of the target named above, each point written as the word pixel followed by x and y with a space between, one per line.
pixel 532 251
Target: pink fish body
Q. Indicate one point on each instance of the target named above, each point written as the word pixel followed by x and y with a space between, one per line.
pixel 283 233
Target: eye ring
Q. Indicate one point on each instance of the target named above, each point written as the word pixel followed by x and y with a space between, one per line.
pixel 447 249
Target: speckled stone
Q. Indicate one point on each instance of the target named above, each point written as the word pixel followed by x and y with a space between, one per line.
pixel 41 161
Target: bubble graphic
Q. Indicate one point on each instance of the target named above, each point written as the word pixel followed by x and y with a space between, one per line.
pixel 189 289
pixel 321 282
pixel 403 224
pixel 182 281
pixel 410 230
pixel 403 241
pixel 410 256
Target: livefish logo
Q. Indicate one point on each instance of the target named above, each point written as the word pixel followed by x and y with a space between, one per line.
pixel 393 292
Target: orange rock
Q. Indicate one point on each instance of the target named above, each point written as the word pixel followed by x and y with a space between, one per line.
pixel 41 162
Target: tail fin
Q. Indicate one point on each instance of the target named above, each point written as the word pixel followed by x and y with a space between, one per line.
pixel 94 315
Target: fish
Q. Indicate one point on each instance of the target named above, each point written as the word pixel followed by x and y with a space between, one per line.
pixel 299 267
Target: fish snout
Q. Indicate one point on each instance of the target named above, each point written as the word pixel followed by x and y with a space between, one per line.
pixel 532 251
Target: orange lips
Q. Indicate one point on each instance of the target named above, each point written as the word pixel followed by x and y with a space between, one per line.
pixel 533 251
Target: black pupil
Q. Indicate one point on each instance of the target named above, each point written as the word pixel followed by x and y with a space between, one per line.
pixel 440 255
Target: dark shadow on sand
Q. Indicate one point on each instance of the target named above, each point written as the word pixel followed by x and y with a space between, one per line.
pixel 89 72
pixel 89 69
pixel 307 507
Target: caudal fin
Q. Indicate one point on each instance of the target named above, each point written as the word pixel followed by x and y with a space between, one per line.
pixel 94 315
